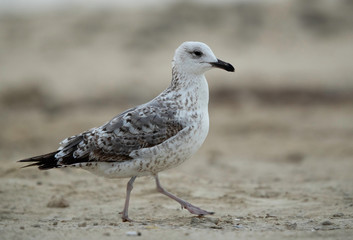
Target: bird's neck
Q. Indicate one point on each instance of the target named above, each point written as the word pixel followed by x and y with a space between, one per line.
pixel 190 86
pixel 182 80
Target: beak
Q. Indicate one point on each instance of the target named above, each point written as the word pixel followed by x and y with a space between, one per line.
pixel 224 65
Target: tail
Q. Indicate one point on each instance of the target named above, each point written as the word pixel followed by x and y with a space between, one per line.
pixel 44 162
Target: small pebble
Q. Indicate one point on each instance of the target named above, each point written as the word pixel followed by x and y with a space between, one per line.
pixel 106 234
pixel 291 226
pixel 238 226
pixel 84 224
pixel 338 215
pixel 216 227
pixel 57 202
pixel 133 233
pixel 22 227
pixel 326 223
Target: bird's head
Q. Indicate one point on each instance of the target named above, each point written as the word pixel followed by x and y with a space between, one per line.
pixel 197 58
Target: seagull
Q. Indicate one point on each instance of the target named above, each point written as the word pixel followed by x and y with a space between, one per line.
pixel 149 138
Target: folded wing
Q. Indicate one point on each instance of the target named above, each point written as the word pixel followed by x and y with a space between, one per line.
pixel 136 128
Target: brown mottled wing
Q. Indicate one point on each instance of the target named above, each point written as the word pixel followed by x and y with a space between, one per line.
pixel 137 128
pixel 141 127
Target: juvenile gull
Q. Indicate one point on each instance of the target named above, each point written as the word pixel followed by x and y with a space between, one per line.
pixel 151 137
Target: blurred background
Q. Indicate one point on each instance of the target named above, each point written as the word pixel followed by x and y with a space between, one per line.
pixel 281 132
pixel 70 65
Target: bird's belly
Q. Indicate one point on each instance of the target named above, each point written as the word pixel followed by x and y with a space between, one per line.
pixel 114 169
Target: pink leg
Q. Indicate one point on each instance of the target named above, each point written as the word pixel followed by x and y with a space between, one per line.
pixel 191 208
pixel 129 188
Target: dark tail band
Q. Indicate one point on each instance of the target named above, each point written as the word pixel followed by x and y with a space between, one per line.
pixel 44 162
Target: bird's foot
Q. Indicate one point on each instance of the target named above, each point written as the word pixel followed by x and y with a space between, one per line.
pixel 196 210
pixel 125 217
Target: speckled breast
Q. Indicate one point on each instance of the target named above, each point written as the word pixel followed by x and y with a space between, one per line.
pixel 175 150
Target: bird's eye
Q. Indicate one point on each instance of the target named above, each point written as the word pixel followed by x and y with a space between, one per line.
pixel 197 53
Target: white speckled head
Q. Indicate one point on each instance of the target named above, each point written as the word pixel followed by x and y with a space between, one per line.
pixel 197 58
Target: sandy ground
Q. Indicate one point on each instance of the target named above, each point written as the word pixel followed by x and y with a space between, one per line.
pixel 265 171
pixel 277 163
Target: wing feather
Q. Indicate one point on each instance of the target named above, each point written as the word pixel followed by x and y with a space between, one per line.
pixel 136 128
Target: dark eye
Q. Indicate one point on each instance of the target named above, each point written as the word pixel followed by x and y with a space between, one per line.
pixel 197 53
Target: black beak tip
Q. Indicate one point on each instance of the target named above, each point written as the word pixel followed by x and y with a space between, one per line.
pixel 230 68
pixel 223 65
